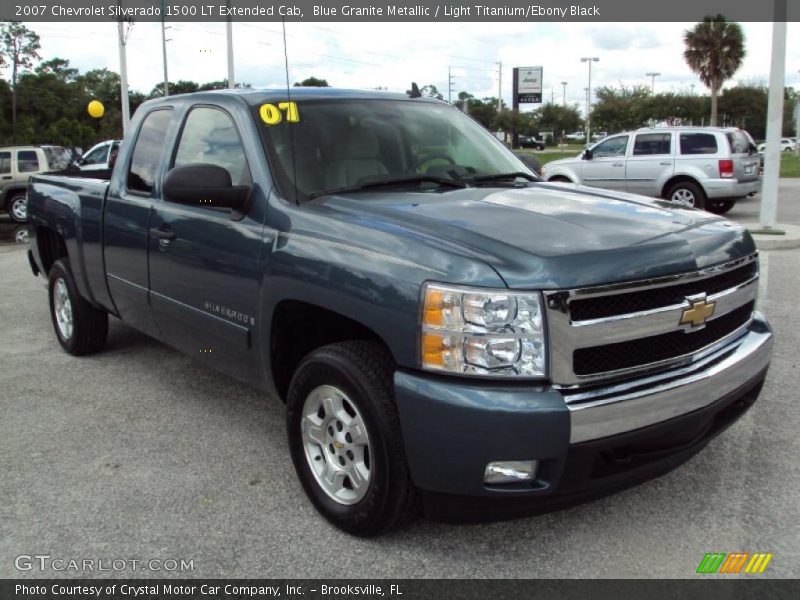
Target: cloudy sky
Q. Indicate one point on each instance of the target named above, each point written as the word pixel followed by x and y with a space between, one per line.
pixel 391 55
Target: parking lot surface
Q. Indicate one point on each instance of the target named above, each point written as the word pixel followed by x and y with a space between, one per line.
pixel 139 452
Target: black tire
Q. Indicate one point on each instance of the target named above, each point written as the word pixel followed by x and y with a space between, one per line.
pixel 14 198
pixel 363 371
pixel 89 324
pixel 719 207
pixel 688 187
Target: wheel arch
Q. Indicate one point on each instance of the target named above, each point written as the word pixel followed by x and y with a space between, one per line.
pixel 680 179
pixel 298 327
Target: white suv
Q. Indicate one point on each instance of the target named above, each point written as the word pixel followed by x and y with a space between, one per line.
pixel 703 167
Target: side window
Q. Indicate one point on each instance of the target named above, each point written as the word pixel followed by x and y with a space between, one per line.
pixel 210 136
pixel 738 142
pixel 611 147
pixel 652 143
pixel 698 143
pixel 147 152
pixel 27 161
pixel 96 156
pixel 5 162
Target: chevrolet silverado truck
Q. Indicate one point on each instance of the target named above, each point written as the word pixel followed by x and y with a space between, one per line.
pixel 450 334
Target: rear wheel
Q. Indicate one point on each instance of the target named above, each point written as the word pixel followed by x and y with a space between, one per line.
pixel 345 440
pixel 17 207
pixel 686 194
pixel 80 327
pixel 720 207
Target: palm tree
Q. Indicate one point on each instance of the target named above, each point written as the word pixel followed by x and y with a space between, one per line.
pixel 714 50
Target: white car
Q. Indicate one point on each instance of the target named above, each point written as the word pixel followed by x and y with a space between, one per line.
pixel 787 145
pixel 98 157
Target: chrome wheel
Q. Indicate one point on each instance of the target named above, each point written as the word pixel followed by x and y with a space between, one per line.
pixel 336 444
pixel 19 208
pixel 22 236
pixel 63 309
pixel 683 196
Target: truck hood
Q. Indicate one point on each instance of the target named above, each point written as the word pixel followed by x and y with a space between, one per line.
pixel 551 236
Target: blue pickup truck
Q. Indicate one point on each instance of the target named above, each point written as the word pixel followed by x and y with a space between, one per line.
pixel 449 333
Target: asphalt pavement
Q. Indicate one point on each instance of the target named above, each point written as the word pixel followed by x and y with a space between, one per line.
pixel 141 453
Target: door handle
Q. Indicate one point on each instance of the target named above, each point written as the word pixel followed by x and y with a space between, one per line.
pixel 6 176
pixel 665 164
pixel 166 235
pixel 617 165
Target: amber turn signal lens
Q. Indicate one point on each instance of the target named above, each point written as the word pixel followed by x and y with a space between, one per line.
pixel 434 304
pixel 433 350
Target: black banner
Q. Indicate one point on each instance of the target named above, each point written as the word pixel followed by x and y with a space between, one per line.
pixel 704 587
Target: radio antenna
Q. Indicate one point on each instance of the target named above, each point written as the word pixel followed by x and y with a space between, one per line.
pixel 289 99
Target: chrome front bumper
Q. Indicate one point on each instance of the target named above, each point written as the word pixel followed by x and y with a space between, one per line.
pixel 622 407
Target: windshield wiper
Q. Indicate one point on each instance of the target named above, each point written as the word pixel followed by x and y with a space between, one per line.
pixel 502 176
pixel 398 181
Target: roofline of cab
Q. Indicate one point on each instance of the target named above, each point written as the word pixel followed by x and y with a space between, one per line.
pixel 257 96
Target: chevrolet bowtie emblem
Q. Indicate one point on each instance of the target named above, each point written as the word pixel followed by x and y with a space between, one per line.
pixel 698 312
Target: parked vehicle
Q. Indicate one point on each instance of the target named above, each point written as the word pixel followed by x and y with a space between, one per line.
pixel 446 329
pixel 576 136
pixel 531 141
pixel 17 164
pixel 599 135
pixel 99 157
pixel 787 145
pixel 700 167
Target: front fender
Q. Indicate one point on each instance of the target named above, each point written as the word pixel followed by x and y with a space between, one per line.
pixel 363 280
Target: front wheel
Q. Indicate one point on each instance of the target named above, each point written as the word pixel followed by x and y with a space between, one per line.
pixel 345 440
pixel 17 207
pixel 686 194
pixel 80 327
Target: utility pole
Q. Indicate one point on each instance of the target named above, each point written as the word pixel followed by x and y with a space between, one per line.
pixel 123 77
pixel 449 85
pixel 564 99
pixel 229 35
pixel 164 41
pixel 772 152
pixel 499 86
pixel 590 60
pixel 652 77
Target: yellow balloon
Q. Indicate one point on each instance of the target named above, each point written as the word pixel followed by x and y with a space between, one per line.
pixel 96 109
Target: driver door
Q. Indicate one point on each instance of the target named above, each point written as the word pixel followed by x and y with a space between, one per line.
pixel 205 262
pixel 606 168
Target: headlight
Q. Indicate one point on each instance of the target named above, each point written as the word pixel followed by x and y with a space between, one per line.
pixel 482 332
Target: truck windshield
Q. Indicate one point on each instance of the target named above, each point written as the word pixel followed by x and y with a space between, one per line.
pixel 330 145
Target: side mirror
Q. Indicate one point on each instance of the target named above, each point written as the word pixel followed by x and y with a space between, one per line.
pixel 587 154
pixel 208 186
pixel 752 149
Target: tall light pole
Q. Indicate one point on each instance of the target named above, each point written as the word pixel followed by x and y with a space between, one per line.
pixel 164 41
pixel 564 99
pixel 499 86
pixel 229 35
pixel 590 60
pixel 123 77
pixel 652 75
pixel 772 153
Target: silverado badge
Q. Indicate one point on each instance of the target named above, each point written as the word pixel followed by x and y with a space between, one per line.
pixel 698 312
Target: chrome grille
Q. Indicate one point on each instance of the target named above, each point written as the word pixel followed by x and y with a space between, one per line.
pixel 623 330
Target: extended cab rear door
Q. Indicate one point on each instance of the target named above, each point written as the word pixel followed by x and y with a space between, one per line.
pixel 127 220
pixel 651 163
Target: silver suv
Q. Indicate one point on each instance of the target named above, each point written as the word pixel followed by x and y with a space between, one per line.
pixel 704 167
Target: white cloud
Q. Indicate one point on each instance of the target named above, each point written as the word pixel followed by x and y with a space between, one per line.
pixel 366 55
